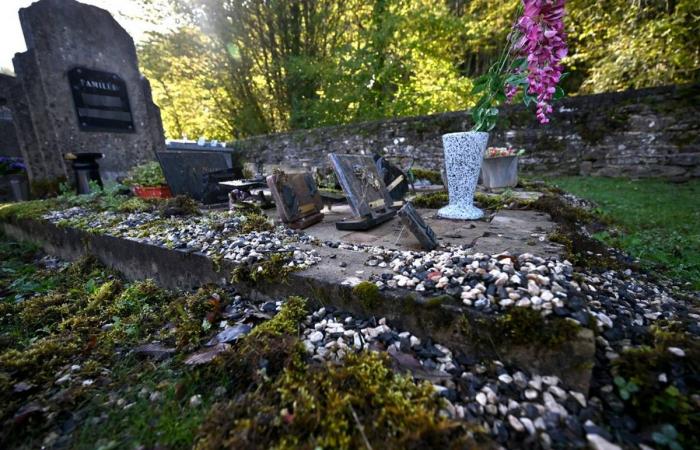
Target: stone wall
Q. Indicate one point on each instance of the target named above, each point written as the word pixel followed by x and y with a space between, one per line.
pixel 638 133
pixel 8 137
pixel 62 35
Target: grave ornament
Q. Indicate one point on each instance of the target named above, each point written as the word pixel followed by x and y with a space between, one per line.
pixel 365 190
pixel 421 230
pixel 297 199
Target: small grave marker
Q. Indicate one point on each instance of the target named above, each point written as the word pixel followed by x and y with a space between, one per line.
pixel 297 199
pixel 364 188
pixel 421 230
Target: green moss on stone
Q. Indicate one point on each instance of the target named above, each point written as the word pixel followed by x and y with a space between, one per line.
pixel 368 294
pixel 361 404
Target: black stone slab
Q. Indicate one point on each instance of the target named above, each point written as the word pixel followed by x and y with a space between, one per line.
pixel 197 173
pixel 415 223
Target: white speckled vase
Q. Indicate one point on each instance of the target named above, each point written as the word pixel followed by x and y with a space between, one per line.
pixel 463 155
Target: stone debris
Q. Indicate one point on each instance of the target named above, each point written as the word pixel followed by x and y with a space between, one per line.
pixel 507 402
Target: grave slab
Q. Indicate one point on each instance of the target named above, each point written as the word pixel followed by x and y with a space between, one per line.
pixel 329 282
pixel 514 231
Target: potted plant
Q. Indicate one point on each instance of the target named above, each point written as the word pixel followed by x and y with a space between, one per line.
pixel 16 172
pixel 147 181
pixel 500 167
pixel 530 62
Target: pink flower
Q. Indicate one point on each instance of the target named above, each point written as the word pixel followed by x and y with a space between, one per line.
pixel 543 41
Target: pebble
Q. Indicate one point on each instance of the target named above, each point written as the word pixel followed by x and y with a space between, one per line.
pixel 676 351
pixel 195 400
pixel 599 443
pixel 315 337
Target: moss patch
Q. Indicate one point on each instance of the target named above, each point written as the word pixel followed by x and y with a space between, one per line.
pixel 426 174
pixel 520 326
pixel 653 402
pixel 275 268
pixel 368 294
pixel 357 405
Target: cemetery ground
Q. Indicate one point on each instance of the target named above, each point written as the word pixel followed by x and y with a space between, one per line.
pixel 386 347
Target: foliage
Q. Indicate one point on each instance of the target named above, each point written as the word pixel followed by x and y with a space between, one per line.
pixel 235 69
pixel 621 44
pixel 625 388
pixel 426 174
pixel 667 437
pixel 361 404
pixel 147 174
pixel 657 220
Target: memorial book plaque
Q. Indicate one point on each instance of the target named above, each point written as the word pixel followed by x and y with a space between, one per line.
pixel 101 101
pixel 365 191
pixel 297 199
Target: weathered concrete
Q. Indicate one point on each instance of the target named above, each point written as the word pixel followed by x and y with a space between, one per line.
pixel 61 35
pixel 511 231
pixel 647 132
pixel 326 283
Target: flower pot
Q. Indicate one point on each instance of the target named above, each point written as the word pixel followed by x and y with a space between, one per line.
pixel 153 191
pixel 499 172
pixel 20 188
pixel 463 155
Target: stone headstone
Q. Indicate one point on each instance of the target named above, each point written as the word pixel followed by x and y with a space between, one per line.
pixel 78 89
pixel 297 198
pixel 364 189
pixel 197 173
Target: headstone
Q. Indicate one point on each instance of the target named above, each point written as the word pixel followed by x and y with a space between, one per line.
pixel 365 191
pixel 297 199
pixel 394 178
pixel 78 89
pixel 421 230
pixel 199 173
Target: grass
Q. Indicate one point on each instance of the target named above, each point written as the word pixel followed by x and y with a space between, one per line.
pixel 659 221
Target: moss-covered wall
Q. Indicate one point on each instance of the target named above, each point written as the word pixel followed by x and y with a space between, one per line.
pixel 649 132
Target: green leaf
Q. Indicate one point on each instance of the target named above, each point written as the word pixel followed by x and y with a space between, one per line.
pixel 619 381
pixel 558 93
pixel 660 438
pixel 478 88
pixel 669 430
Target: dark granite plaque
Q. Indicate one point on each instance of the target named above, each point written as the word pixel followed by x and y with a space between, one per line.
pixel 101 101
pixel 198 173
pixel 421 230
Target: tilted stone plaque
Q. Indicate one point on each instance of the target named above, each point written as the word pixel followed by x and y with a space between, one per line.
pixel 421 230
pixel 297 199
pixel 364 188
pixel 101 100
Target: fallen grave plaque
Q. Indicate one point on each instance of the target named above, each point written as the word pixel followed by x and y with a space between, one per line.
pixel 297 199
pixel 421 230
pixel 101 100
pixel 364 188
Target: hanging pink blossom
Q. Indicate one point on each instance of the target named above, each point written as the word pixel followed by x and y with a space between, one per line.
pixel 543 43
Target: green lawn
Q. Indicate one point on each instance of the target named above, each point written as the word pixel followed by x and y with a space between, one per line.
pixel 659 220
